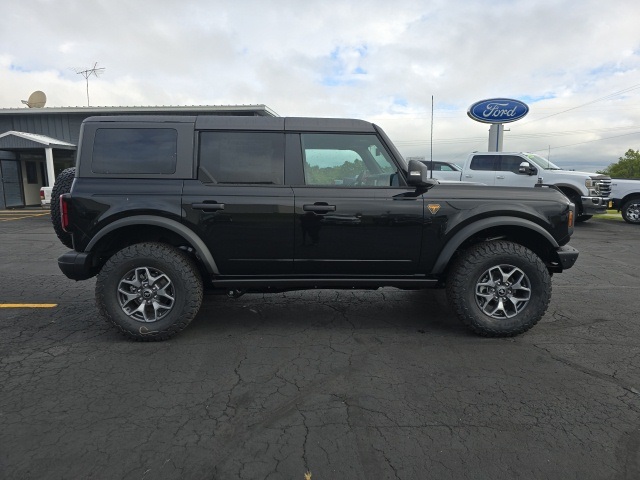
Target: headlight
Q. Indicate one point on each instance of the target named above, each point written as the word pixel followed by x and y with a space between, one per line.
pixel 593 186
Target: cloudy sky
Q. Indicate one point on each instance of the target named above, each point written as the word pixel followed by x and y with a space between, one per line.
pixel 576 63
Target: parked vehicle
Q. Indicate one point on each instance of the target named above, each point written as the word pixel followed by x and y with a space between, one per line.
pixel 443 170
pixel 161 206
pixel 588 191
pixel 625 197
pixel 45 196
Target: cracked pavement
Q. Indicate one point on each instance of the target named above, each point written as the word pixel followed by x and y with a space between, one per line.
pixel 380 384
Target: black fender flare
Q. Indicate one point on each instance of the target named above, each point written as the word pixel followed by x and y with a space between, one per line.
pixel 459 238
pixel 189 235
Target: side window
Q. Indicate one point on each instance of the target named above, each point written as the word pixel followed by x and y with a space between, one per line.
pixel 242 157
pixel 511 163
pixel 443 167
pixel 135 151
pixel 483 162
pixel 347 160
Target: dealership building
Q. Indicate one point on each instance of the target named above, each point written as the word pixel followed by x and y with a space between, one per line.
pixel 38 143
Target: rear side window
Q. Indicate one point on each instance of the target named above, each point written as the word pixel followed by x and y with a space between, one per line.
pixel 135 151
pixel 483 162
pixel 242 157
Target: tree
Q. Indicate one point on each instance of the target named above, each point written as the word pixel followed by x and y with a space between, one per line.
pixel 626 167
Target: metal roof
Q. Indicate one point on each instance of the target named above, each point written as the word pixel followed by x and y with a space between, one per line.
pixel 21 140
pixel 261 110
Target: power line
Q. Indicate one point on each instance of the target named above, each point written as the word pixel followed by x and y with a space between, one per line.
pixel 518 136
pixel 590 141
pixel 606 97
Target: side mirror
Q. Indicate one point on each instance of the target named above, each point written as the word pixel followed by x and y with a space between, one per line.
pixel 418 175
pixel 527 169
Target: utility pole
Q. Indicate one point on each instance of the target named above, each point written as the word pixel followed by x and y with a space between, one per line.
pixel 95 71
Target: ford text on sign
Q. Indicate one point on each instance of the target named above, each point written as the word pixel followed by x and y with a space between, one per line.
pixel 498 110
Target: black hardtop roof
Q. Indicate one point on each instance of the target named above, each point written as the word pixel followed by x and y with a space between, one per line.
pixel 222 122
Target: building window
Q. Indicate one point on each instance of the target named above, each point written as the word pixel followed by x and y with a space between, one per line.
pixel 32 172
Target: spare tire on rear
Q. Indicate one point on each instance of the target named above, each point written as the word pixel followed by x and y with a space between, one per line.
pixel 62 185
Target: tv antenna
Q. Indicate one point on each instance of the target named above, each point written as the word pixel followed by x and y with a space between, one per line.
pixel 86 73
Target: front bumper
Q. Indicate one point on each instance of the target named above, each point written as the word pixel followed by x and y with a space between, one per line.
pixel 77 265
pixel 567 256
pixel 594 205
pixel 616 203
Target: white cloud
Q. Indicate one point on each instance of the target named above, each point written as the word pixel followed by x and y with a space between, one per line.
pixel 380 61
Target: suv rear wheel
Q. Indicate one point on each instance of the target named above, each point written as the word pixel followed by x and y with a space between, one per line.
pixel 149 291
pixel 499 289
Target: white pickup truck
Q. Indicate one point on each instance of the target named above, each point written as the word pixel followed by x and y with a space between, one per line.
pixel 625 196
pixel 590 192
pixel 45 196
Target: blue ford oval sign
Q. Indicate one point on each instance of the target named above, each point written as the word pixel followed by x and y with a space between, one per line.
pixel 498 110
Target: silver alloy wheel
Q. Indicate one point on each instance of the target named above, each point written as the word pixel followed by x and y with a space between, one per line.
pixel 146 294
pixel 633 212
pixel 503 291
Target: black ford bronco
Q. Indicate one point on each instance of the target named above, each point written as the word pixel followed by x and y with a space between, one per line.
pixel 159 207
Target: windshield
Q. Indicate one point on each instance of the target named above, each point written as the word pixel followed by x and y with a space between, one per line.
pixel 541 162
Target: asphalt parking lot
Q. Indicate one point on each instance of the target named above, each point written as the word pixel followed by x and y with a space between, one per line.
pixel 344 384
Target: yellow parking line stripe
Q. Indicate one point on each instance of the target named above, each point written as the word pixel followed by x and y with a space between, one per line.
pixel 28 305
pixel 23 212
pixel 20 218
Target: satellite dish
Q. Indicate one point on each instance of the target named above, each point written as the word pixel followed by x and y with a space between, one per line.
pixel 36 100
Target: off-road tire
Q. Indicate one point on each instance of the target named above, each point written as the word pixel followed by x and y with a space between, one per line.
pixel 467 280
pixel 114 288
pixel 62 185
pixel 577 201
pixel 631 211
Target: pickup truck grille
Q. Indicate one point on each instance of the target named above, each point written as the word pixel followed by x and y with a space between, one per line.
pixel 604 187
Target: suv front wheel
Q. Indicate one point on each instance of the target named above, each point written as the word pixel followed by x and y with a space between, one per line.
pixel 149 291
pixel 499 289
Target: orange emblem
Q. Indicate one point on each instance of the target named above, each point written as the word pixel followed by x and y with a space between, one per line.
pixel 433 208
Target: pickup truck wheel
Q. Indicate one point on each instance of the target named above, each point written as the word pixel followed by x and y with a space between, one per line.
pixel 631 211
pixel 577 201
pixel 62 185
pixel 149 291
pixel 499 289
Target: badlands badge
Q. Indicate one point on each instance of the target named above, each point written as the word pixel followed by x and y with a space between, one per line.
pixel 433 208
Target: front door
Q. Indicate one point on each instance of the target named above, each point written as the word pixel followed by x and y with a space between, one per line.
pixel 508 173
pixel 352 217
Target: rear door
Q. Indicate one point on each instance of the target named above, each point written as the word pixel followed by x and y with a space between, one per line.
pixel 239 203
pixel 482 169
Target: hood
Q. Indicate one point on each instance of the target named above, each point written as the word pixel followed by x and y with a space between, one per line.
pixel 573 173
